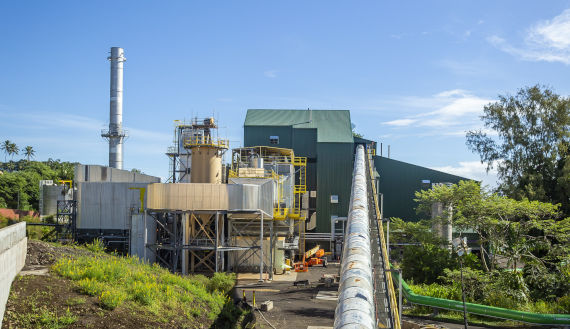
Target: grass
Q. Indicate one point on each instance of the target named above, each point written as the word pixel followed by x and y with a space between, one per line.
pixel 75 301
pixel 126 282
pixel 44 317
pixel 96 246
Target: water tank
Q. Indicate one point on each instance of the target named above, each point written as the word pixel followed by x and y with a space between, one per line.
pixel 206 165
pixel 49 195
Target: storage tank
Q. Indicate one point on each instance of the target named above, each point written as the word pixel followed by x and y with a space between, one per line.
pixel 206 165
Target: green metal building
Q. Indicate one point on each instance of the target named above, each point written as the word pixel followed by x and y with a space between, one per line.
pixel 325 138
pixel 400 180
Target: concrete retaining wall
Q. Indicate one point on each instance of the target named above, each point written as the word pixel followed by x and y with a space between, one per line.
pixel 13 249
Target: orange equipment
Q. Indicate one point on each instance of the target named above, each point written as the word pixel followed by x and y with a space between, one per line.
pixel 318 259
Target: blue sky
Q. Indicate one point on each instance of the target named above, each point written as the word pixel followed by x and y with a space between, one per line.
pixel 414 75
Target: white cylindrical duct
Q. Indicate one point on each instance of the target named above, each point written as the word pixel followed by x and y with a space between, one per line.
pixel 116 134
pixel 355 305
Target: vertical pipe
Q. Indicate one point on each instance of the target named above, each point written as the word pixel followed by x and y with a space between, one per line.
pixel 400 295
pixel 271 250
pixel 116 134
pixel 217 241
pixel 185 241
pixel 261 250
pixel 387 238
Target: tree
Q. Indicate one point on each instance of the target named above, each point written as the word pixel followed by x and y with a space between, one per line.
pixel 13 150
pixel 355 134
pixel 517 230
pixel 6 146
pixel 29 152
pixel 531 146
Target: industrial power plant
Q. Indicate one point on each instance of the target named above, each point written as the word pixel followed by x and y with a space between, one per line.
pixel 296 195
pixel 302 192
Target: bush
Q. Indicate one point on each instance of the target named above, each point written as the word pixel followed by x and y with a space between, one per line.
pixel 563 304
pixel 438 291
pixel 221 282
pixel 96 245
pixel 426 264
pixel 90 287
pixel 112 298
pixel 475 283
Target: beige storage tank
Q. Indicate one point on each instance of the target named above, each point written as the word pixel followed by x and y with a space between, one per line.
pixel 206 165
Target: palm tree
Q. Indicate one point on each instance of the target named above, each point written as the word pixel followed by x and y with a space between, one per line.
pixel 13 150
pixel 29 152
pixel 6 146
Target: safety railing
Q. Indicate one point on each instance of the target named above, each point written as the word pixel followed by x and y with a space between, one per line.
pixel 391 291
pixel 207 141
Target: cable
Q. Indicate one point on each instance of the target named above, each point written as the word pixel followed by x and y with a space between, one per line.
pixel 269 323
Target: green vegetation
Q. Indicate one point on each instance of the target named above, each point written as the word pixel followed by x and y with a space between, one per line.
pixel 126 282
pixel 532 149
pixel 96 246
pixel 33 232
pixel 524 263
pixel 43 316
pixel 19 181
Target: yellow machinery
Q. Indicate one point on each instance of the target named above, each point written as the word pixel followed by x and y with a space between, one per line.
pixel 310 258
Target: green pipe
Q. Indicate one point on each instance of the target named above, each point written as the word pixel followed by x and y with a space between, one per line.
pixel 496 312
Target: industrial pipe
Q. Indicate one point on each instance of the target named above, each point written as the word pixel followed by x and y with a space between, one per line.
pixel 355 305
pixel 484 310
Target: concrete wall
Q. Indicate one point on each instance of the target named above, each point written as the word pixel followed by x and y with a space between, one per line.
pixel 13 249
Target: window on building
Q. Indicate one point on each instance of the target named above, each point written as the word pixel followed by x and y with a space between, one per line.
pixel 273 139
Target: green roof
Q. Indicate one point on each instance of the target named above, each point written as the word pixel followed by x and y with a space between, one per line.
pixel 333 126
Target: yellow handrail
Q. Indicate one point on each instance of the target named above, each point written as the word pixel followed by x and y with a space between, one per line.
pixel 195 141
pixel 387 272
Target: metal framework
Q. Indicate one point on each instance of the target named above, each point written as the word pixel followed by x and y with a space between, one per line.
pixel 64 225
pixel 188 135
pixel 194 241
pixel 274 156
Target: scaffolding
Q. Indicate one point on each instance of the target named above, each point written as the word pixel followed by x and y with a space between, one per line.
pixel 200 241
pixel 196 133
pixel 269 162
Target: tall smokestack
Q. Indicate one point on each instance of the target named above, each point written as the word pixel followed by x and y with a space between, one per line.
pixel 116 135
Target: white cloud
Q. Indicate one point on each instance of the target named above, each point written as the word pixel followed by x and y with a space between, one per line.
pixel 547 41
pixel 400 122
pixel 450 109
pixel 270 74
pixel 473 170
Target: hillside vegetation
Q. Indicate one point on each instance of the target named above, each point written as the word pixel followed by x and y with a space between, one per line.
pixel 20 181
pixel 89 288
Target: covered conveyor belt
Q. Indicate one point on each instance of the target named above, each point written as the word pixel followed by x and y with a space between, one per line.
pixel 366 294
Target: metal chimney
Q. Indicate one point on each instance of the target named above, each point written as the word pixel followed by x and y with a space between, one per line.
pixel 116 135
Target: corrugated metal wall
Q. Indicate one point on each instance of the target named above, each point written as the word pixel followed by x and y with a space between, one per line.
pixel 334 177
pixel 329 166
pixel 259 136
pixel 96 173
pixel 106 206
pixel 400 180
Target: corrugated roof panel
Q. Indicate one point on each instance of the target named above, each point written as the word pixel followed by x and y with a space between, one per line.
pixel 333 126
